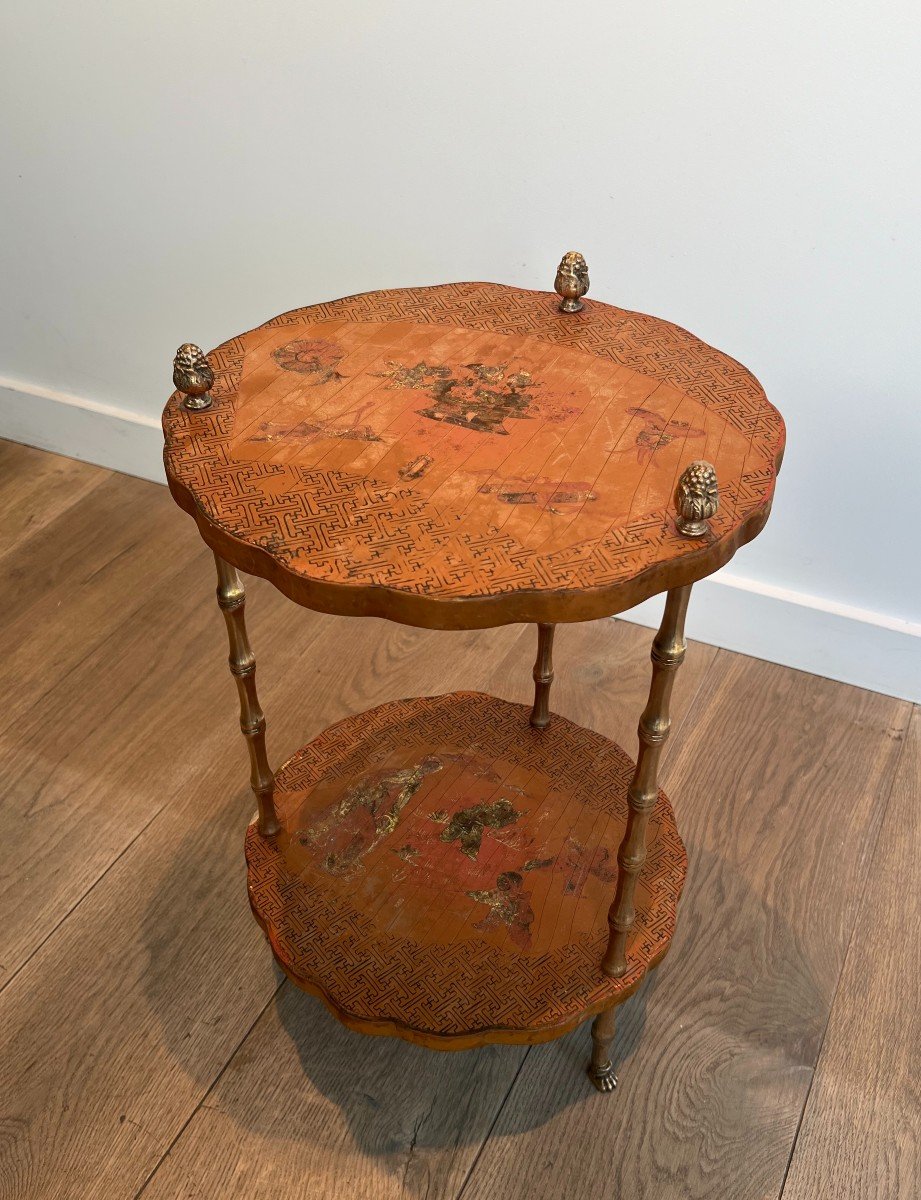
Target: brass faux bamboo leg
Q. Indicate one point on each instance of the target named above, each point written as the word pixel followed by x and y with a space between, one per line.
pixel 667 655
pixel 601 1069
pixel 543 677
pixel 232 599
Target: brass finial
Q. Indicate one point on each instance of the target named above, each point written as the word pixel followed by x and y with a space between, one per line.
pixel 192 375
pixel 571 281
pixel 696 498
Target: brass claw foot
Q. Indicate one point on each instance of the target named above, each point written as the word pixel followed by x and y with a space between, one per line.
pixel 602 1077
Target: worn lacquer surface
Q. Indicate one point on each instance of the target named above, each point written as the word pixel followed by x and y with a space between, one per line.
pixel 470 443
pixel 448 869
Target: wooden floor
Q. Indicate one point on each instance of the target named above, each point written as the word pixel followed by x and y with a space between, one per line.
pixel 149 1048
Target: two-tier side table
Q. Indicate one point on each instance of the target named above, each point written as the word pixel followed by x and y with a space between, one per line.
pixel 457 869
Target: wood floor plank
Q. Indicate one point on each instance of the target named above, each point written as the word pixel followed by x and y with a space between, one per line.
pixel 73 761
pixel 343 1114
pixel 36 487
pixel 81 575
pixel 94 639
pixel 374 1117
pixel 861 1131
pixel 115 1029
pixel 150 1017
pixel 106 650
pixel 774 781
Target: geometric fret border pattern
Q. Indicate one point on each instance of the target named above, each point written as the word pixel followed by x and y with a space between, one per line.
pixel 446 992
pixel 301 518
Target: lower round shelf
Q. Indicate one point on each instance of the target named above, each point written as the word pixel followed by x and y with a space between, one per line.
pixel 444 872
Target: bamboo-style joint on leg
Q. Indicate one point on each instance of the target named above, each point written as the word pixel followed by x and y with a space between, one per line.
pixel 231 598
pixel 668 651
pixel 543 677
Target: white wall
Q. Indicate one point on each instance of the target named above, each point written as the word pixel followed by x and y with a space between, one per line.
pixel 750 170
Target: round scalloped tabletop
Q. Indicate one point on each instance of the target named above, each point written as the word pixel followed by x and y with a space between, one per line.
pixel 468 455
pixel 444 872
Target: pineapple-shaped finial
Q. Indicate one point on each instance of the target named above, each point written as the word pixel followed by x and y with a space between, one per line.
pixel 696 498
pixel 192 374
pixel 571 281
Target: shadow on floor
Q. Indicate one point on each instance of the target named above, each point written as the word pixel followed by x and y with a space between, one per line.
pixel 300 1076
pixel 460 1090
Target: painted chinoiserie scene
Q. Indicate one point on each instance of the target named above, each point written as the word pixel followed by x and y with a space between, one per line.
pixel 458 869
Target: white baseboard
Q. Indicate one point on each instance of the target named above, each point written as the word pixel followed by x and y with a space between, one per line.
pixel 96 433
pixel 810 633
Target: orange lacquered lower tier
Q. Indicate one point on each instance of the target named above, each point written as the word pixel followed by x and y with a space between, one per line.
pixel 444 872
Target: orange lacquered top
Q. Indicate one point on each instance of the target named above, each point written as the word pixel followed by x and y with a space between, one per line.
pixel 468 455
